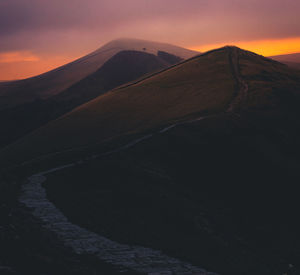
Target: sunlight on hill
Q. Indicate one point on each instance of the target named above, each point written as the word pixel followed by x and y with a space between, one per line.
pixel 267 47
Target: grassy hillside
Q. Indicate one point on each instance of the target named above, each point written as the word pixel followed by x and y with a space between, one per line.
pixel 199 86
pixel 268 80
pixel 206 84
pixel 206 192
pixel 14 93
pixel 221 193
pixel 123 67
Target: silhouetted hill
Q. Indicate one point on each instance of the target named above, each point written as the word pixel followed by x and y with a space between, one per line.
pixel 292 60
pixel 204 84
pixel 199 161
pixel 200 85
pixel 123 67
pixel 294 57
pixel 19 92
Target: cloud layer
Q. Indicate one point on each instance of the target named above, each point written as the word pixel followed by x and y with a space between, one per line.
pixel 75 27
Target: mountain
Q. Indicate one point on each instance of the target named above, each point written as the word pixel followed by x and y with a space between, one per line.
pixel 201 85
pixel 14 93
pixel 294 57
pixel 120 68
pixel 185 90
pixel 199 161
pixel 292 60
pixel 295 65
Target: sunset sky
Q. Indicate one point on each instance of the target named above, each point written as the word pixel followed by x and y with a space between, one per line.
pixel 38 35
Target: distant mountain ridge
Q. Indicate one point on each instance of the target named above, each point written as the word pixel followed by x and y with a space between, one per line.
pixel 51 83
pixel 198 160
pixel 203 84
pixel 123 67
pixel 293 57
pixel 292 60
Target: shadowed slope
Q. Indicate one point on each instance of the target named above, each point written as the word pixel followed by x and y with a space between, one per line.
pixel 292 60
pixel 186 90
pixel 202 85
pixel 123 67
pixel 14 93
pixel 294 57
pixel 221 192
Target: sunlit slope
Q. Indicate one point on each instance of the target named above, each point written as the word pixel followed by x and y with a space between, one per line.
pixel 14 93
pixel 122 68
pixel 198 86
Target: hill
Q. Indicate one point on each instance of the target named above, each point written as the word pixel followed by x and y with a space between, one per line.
pixel 294 57
pixel 199 161
pixel 14 93
pixel 293 64
pixel 292 60
pixel 205 84
pixel 28 104
pixel 123 67
pixel 187 90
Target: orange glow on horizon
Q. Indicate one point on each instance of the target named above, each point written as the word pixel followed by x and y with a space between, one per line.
pixel 266 47
pixel 24 64
pixel 11 57
pixel 15 65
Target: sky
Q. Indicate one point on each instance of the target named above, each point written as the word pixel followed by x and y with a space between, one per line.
pixel 39 35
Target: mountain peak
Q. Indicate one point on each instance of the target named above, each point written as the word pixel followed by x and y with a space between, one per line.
pixel 146 46
pixel 252 56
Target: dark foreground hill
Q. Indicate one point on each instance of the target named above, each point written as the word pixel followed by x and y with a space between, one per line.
pixel 199 161
pixel 123 67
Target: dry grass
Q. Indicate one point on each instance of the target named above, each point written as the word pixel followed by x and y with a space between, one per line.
pixel 200 85
pixel 265 76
